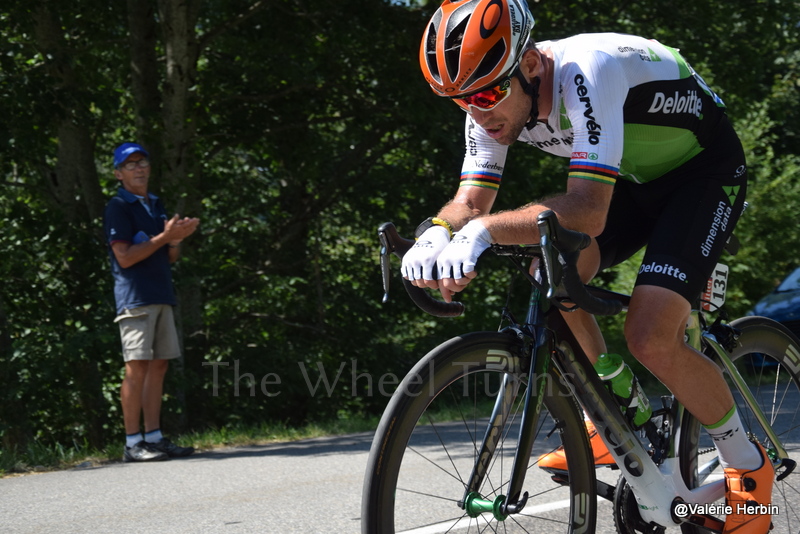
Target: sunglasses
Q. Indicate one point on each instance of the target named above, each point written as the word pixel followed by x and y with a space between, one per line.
pixel 488 98
pixel 131 165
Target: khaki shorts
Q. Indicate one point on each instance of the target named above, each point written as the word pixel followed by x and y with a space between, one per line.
pixel 148 333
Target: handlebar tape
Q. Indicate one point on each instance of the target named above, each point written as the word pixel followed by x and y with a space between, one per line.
pixel 428 304
pixel 569 243
pixel 586 301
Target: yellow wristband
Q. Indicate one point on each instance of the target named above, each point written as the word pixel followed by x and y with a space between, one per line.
pixel 441 222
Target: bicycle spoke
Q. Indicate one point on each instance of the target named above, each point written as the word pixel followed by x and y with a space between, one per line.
pixel 426 494
pixel 436 464
pixel 765 357
pixel 426 449
pixel 444 447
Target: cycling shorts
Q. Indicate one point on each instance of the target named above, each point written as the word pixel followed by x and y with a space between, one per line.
pixel 684 218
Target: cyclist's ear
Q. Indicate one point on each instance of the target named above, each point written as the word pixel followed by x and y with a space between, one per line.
pixel 530 62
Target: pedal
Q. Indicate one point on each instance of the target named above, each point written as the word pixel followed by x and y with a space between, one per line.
pixel 559 476
pixel 785 468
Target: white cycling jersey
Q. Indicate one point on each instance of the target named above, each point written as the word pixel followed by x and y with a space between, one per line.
pixel 623 106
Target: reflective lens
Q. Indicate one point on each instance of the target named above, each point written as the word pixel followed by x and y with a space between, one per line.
pixel 488 98
pixel 131 165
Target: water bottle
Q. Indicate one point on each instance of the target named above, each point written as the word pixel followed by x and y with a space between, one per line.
pixel 623 385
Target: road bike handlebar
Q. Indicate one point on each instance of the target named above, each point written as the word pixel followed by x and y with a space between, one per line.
pixel 559 249
pixel 393 243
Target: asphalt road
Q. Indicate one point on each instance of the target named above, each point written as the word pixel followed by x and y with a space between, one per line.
pixel 311 486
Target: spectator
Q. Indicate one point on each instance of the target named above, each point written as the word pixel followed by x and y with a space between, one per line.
pixel 143 242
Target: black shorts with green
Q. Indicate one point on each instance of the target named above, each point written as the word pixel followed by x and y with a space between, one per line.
pixel 684 218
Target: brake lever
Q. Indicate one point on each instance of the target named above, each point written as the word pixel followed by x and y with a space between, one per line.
pixel 386 265
pixel 547 247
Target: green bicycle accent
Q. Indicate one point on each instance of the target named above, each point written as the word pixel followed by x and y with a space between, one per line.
pixel 475 505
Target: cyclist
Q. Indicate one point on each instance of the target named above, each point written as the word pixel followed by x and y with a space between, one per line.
pixel 654 162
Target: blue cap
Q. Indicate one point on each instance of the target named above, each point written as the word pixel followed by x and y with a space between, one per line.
pixel 124 150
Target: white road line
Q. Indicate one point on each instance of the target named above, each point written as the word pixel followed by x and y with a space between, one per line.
pixel 465 522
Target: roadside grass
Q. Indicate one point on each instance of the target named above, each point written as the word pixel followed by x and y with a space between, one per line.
pixel 38 457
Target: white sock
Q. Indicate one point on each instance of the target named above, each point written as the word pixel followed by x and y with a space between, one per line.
pixel 154 436
pixel 132 439
pixel 735 449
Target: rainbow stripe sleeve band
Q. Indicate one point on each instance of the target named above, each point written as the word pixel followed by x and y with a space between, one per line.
pixel 480 179
pixel 593 171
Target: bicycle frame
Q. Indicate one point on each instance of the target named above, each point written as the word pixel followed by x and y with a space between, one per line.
pixel 554 353
pixel 721 357
pixel 657 488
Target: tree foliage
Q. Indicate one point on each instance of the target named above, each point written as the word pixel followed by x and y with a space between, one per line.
pixel 292 129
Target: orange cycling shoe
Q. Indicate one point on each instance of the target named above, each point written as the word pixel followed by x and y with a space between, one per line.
pixel 749 494
pixel 557 460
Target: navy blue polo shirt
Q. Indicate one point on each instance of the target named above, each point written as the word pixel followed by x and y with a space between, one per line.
pixel 149 281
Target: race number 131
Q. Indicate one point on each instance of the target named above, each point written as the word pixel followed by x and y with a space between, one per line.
pixel 714 295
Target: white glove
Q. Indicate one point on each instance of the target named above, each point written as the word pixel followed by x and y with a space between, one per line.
pixel 419 261
pixel 461 255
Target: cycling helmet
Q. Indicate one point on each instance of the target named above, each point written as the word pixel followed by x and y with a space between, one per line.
pixel 470 44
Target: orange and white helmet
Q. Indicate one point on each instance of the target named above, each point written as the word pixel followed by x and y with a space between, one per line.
pixel 470 44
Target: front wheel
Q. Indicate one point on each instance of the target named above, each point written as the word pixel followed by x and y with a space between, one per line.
pixel 426 445
pixel 767 356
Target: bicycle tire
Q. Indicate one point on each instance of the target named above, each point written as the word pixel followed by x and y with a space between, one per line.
pixel 767 354
pixel 406 485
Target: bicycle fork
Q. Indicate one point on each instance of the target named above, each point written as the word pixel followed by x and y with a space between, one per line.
pixel 504 505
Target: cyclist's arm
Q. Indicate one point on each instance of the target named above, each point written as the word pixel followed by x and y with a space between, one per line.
pixel 469 202
pixel 583 207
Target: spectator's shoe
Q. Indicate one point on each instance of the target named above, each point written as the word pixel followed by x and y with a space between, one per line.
pixel 749 494
pixel 143 452
pixel 170 449
pixel 557 460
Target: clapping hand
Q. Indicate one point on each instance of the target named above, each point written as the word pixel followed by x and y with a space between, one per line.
pixel 178 229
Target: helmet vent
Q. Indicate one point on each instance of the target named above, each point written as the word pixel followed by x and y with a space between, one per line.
pixel 430 54
pixel 452 51
pixel 492 58
pixel 489 62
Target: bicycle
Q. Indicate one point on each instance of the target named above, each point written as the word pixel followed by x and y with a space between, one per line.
pixel 456 448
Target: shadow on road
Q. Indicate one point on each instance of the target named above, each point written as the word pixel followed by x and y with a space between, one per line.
pixel 351 444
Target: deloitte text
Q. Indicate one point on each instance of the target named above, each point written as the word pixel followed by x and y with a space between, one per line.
pixel 689 103
pixel 666 269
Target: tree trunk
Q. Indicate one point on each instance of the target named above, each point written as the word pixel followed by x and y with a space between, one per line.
pixel 178 21
pixel 145 79
pixel 75 175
